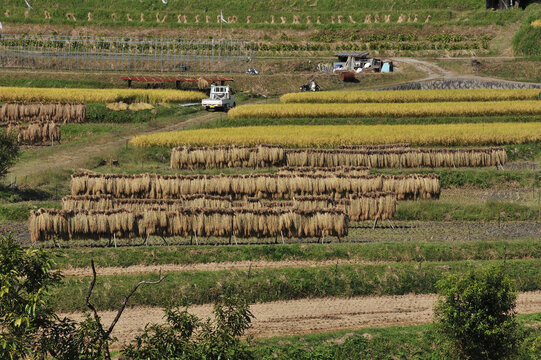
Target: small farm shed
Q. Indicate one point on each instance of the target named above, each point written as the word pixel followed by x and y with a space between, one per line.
pixel 500 4
pixel 350 60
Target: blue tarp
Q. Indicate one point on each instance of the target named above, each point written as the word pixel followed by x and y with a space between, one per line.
pixel 386 68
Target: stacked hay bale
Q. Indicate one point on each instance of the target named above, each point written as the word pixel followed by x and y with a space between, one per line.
pixel 43 112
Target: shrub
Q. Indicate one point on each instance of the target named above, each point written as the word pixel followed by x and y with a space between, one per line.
pixel 9 151
pixel 25 280
pixel 476 312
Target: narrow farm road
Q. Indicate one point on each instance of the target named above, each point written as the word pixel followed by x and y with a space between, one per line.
pixel 434 71
pixel 297 317
pixel 76 157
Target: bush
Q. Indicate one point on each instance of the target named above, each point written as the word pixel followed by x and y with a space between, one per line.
pixel 25 280
pixel 187 337
pixel 476 314
pixel 9 151
pixel 526 41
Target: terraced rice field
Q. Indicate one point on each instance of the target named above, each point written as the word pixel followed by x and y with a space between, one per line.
pixel 322 227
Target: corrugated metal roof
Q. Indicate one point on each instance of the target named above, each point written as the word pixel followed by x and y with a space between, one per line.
pixel 361 54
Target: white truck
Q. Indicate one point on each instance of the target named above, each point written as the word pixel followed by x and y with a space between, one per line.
pixel 221 97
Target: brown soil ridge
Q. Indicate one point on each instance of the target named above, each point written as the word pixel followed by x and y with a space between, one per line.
pixel 298 317
pixel 212 266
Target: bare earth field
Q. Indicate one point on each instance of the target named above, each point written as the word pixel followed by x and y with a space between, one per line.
pixel 362 232
pixel 297 317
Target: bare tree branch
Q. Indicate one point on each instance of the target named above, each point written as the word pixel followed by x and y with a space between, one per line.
pixel 104 335
pixel 127 298
pixel 90 289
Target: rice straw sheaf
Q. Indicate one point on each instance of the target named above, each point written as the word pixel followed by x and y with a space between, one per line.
pixel 384 156
pixel 108 202
pixel 227 157
pixel 82 224
pixel 400 146
pixel 370 206
pixel 36 133
pixel 336 170
pixel 397 158
pixel 43 112
pixel 269 186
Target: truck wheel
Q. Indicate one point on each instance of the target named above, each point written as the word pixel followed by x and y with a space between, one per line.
pixel 234 104
pixel 207 108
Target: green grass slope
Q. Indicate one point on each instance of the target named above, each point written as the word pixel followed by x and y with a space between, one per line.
pixel 527 41
pixel 283 13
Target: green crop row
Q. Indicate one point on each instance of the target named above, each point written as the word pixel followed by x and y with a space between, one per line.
pixel 389 251
pixel 263 285
pixel 280 47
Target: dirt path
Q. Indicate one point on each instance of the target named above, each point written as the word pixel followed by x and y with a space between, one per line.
pixel 297 317
pixel 74 157
pixel 434 71
pixel 238 265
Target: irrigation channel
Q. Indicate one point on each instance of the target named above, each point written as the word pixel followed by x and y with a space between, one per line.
pixel 75 53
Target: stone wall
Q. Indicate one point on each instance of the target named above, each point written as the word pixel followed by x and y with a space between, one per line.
pixel 463 84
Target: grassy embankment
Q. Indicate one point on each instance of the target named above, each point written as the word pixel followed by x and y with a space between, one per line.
pixel 263 285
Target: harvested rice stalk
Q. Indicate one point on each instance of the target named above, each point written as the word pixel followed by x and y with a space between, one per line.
pixel 107 202
pixel 36 133
pixel 268 186
pixel 43 112
pixel 226 157
pixel 336 170
pixel 246 223
pixel 397 158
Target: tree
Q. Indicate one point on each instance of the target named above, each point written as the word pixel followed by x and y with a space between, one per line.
pixel 29 327
pixel 25 281
pixel 186 337
pixel 476 314
pixel 88 340
pixel 9 151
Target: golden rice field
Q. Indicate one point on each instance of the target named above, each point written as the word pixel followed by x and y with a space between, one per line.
pixel 406 96
pixel 24 94
pixel 325 136
pixel 395 110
